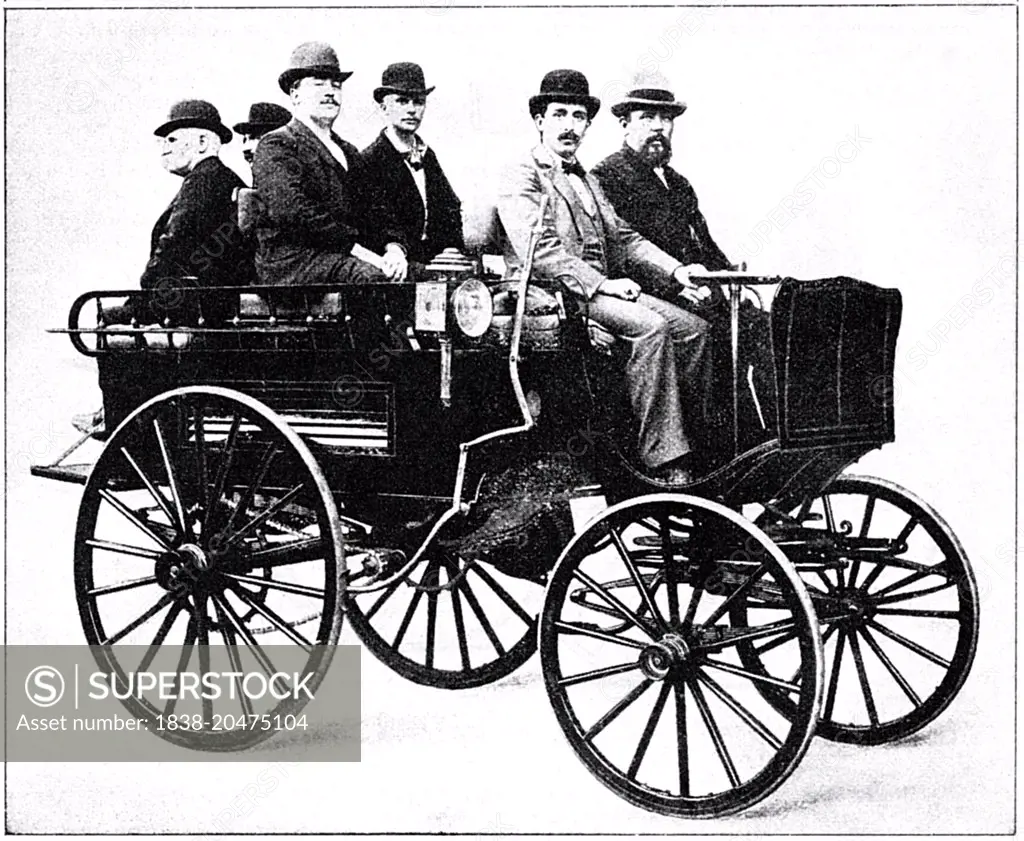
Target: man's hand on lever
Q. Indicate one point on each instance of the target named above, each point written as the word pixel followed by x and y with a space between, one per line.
pixel 620 287
pixel 395 265
pixel 692 291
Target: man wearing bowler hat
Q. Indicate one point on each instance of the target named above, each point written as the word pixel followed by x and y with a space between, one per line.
pixel 409 184
pixel 593 253
pixel 661 205
pixel 263 117
pixel 315 189
pixel 197 236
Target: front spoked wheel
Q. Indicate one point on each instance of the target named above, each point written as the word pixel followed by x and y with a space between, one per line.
pixel 209 542
pixel 639 651
pixel 898 605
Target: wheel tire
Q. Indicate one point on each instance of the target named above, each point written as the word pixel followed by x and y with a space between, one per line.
pixel 175 488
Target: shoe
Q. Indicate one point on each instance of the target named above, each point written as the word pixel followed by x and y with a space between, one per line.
pixel 90 423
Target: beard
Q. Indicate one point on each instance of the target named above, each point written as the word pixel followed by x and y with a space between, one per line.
pixel 656 150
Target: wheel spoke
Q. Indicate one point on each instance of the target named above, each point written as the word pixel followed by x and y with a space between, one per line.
pixel 133 518
pixel 124 585
pixel 901 538
pixel 284 586
pixel 411 609
pixel 460 629
pixel 904 684
pixel 617 710
pixel 204 656
pixel 645 596
pixel 652 723
pixel 153 492
pixel 161 635
pixel 833 683
pixel 183 659
pixel 226 460
pixel 294 552
pixel 597 674
pixel 245 634
pixel 612 602
pixel 668 558
pixel 271 453
pixel 583 630
pixel 748 717
pixel 914 594
pixel 865 686
pixel 906 611
pixel 474 605
pixel 165 600
pixel 682 748
pixel 124 549
pixel 735 670
pixel 432 620
pixel 755 633
pixel 502 594
pixel 172 480
pixel 719 612
pixel 714 732
pixel 233 656
pixel 768 646
pixel 202 473
pixel 913 646
pixel 880 567
pixel 263 516
pixel 273 618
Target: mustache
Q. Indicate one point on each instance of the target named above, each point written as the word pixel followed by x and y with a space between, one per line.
pixel 569 135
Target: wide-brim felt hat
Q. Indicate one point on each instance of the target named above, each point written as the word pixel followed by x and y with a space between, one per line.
pixel 194 113
pixel 264 117
pixel 402 78
pixel 314 58
pixel 569 86
pixel 656 99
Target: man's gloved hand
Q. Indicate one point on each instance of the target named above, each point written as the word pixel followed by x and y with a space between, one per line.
pixel 396 267
pixel 620 287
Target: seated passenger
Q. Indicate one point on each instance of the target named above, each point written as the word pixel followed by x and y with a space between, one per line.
pixel 314 188
pixel 594 254
pixel 264 117
pixel 409 184
pixel 662 206
pixel 197 235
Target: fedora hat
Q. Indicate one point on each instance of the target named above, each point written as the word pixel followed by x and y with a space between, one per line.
pixel 402 77
pixel 568 86
pixel 194 113
pixel 314 58
pixel 264 117
pixel 656 99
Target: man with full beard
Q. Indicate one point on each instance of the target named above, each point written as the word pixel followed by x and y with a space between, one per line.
pixel 661 206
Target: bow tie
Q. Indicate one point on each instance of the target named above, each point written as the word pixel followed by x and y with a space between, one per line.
pixel 414 159
pixel 574 168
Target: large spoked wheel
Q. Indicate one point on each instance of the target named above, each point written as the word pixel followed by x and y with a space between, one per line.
pixel 208 541
pixel 639 651
pixel 898 605
pixel 452 622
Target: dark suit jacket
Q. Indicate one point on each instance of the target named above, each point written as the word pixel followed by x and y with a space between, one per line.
pixel 315 210
pixel 197 235
pixel 395 200
pixel 670 218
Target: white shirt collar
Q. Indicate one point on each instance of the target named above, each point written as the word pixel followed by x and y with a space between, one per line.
pixel 401 145
pixel 325 137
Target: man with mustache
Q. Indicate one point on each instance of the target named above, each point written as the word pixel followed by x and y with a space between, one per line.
pixel 595 254
pixel 315 188
pixel 264 117
pixel 410 186
pixel 662 206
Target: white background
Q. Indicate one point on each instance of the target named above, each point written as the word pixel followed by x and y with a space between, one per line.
pixel 925 202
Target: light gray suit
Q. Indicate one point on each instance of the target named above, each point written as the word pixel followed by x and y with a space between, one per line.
pixel 582 250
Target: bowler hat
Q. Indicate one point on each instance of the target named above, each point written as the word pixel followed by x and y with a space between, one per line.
pixel 656 99
pixel 264 117
pixel 194 113
pixel 569 86
pixel 403 77
pixel 314 58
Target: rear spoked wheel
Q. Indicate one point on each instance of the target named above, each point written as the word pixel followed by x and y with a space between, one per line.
pixel 639 652
pixel 208 542
pixel 898 605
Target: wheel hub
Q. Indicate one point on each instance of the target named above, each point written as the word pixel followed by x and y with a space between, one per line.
pixel 658 659
pixel 182 568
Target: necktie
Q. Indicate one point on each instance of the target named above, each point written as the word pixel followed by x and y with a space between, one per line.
pixel 414 159
pixel 574 168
